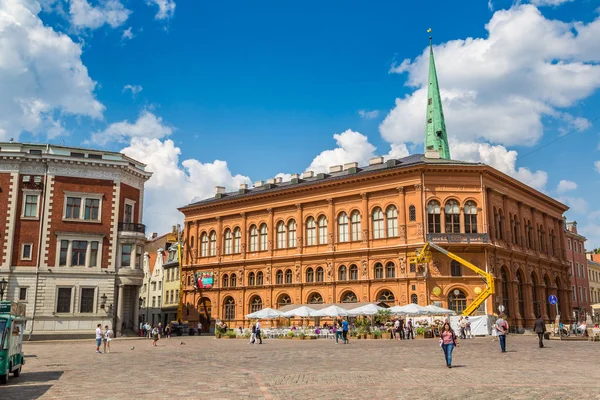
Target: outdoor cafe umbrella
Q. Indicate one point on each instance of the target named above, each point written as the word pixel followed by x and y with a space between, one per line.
pixel 367 309
pixel 435 310
pixel 302 312
pixel 331 311
pixel 265 313
pixel 410 309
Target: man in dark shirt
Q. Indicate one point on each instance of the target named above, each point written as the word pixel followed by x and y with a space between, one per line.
pixel 540 328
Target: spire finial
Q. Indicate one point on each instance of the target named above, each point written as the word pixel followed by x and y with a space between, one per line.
pixel 430 36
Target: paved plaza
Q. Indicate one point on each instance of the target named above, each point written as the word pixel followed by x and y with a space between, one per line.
pixel 317 369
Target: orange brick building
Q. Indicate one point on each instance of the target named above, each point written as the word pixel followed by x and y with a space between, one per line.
pixel 345 237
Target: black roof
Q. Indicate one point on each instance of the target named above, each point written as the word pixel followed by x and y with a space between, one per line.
pixel 409 161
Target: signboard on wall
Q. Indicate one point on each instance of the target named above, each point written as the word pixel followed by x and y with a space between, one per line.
pixel 204 280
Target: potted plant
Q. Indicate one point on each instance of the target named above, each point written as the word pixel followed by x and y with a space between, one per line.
pixel 302 336
pixel 289 335
pixel 420 331
pixel 376 334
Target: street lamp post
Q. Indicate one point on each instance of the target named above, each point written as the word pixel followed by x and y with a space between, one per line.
pixel 3 284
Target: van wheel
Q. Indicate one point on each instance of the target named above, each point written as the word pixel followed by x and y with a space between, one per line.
pixel 17 372
pixel 3 379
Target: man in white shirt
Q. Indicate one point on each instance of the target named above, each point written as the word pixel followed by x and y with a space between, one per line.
pixel 99 336
pixel 199 328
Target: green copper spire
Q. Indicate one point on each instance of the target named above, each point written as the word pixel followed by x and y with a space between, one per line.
pixel 436 137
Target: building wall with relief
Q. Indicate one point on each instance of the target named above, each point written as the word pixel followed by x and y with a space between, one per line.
pixel 71 232
pixel 345 236
pixel 578 271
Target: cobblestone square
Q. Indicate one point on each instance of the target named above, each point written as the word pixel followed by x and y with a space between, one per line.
pixel 193 367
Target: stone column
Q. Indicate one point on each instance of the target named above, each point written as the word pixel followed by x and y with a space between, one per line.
pixel 562 240
pixel 490 214
pixel 541 290
pixel 530 316
pixel 188 248
pixel 505 226
pixel 198 243
pixel 120 299
pixel 88 254
pixel 244 236
pixel 136 309
pixel 514 303
pixel 133 256
pixel 521 227
pixel 299 228
pixel 402 214
pixel 70 254
pixel 421 214
pixel 219 237
pixel 331 225
pixel 535 235
pixel 442 218
pixel 365 218
pixel 270 231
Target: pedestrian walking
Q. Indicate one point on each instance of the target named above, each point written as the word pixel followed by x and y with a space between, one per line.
pixel 539 327
pixel 447 343
pixel 396 330
pixel 168 331
pixel 144 330
pixel 409 329
pixel 99 336
pixel 155 336
pixel 468 334
pixel 258 337
pixel 160 329
pixel 149 330
pixel 345 330
pixel 108 336
pixel 253 334
pixel 141 330
pixel 402 335
pixel 199 328
pixel 502 327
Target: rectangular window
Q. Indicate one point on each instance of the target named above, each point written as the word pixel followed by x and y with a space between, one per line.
pixel 92 209
pixel 569 243
pixel 128 215
pixel 73 207
pixel 413 267
pixel 23 294
pixel 64 300
pixel 64 250
pixel 159 303
pixel 86 304
pixel 26 251
pixel 572 269
pixel 153 301
pixel 31 206
pixel 172 298
pixel 154 286
pixel 126 255
pixel 159 285
pixel 93 254
pixel 79 248
pixel 177 296
pixel 574 293
pixel 138 258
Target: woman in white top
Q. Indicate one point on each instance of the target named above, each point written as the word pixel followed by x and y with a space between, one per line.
pixel 108 335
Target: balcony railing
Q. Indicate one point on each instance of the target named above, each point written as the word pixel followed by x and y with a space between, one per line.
pixel 131 227
pixel 458 237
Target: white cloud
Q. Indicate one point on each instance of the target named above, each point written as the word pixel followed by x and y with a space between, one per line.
pixel 147 126
pixel 368 114
pixel 173 184
pixel 127 34
pixel 135 89
pixel 352 146
pixel 565 186
pixel 500 158
pixel 41 74
pixel 110 12
pixel 552 3
pixel 576 205
pixel 597 165
pixel 499 88
pixel 590 228
pixel 166 8
pixel 490 5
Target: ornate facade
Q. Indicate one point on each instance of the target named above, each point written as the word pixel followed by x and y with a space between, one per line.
pixel 345 236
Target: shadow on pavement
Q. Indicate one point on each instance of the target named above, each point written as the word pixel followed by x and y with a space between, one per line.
pixel 24 392
pixel 42 376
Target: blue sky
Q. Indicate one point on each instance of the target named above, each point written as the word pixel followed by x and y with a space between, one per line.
pixel 264 87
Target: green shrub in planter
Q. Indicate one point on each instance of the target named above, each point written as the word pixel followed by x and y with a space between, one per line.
pixel 302 335
pixel 290 334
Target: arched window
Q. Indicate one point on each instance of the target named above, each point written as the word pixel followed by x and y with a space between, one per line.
pixel 255 304
pixel 322 230
pixel 353 272
pixel 280 235
pixel 536 301
pixel 315 298
pixel 233 280
pixel 520 293
pixel 349 297
pixel 320 274
pixel 412 213
pixel 229 308
pixel 263 237
pixel 311 232
pixel 251 279
pixel 204 245
pixel 452 216
pixel 455 268
pixel 292 234
pixel 378 232
pixel 457 302
pixel 228 241
pixel 541 235
pixel 500 224
pixel 225 280
pixel 390 270
pixel 343 228
pixel 279 277
pixel 283 300
pixel 547 295
pixel 342 273
pixel 237 238
pixel 378 271
pixel 530 243
pixel 414 299
pixel 470 217
pixel 433 217
pixel 213 243
pixel 356 232
pixel 253 238
pixel 310 275
pixel 392 221
pixel 288 276
pixel 505 302
pixel 386 296
pixel 515 229
pixel 259 278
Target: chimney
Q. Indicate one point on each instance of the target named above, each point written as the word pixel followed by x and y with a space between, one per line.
pixel 295 178
pixel 243 186
pixel 219 190
pixel 278 179
pixel 350 165
pixel 258 183
pixel 376 161
pixel 335 168
pixel 271 181
pixel 307 174
pixel 154 235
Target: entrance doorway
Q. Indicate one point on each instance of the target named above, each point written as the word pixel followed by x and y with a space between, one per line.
pixel 204 313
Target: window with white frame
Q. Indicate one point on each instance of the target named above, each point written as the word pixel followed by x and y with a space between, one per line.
pixel 126 250
pixel 78 251
pixel 343 227
pixel 213 243
pixel 228 241
pixel 378 232
pixel 83 206
pixel 128 211
pixel 281 235
pixel 292 234
pixel 204 245
pixel 356 233
pixel 237 238
pixel 23 294
pixel 392 221
pixel 26 251
pixel 31 201
pixel 253 238
pixel 311 232
pixel 263 237
pixel 322 230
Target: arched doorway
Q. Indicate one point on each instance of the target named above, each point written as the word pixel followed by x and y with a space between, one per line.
pixel 204 312
pixel 457 301
pixel 228 308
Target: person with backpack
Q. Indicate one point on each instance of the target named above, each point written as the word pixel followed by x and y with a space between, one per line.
pixel 447 343
pixel 502 327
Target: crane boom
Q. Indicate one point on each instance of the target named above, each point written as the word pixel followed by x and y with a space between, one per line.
pixel 424 255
